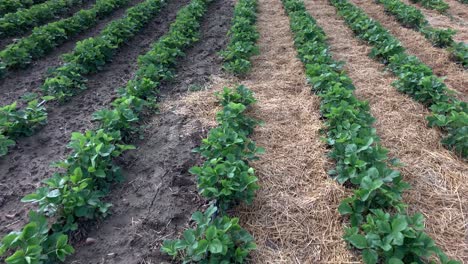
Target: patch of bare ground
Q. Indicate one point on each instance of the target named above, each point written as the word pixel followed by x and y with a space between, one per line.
pixel 436 58
pixel 294 216
pixel 438 177
pixel 439 20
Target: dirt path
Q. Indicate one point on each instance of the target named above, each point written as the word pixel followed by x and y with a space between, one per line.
pixel 415 43
pixel 72 10
pixel 30 79
pixel 294 216
pixel 29 162
pixel 438 178
pixel 439 20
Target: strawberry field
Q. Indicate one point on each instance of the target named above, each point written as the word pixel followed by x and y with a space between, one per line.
pixel 243 131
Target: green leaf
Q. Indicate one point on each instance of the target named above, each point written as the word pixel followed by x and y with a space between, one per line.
pixel 211 233
pixel 357 240
pixel 216 246
pixel 399 224
pixel 345 208
pixel 370 256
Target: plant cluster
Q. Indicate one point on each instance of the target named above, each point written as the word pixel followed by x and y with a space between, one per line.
pixel 243 37
pixel 414 77
pixel 9 6
pixel 24 19
pixel 438 5
pixel 412 17
pixel 76 191
pixel 379 225
pixel 16 122
pixel 227 179
pixel 45 38
pixel 88 57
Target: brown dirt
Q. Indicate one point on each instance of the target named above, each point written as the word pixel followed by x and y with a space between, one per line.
pixel 84 5
pixel 438 59
pixel 159 195
pixel 438 177
pixel 21 81
pixel 294 216
pixel 439 20
pixel 28 163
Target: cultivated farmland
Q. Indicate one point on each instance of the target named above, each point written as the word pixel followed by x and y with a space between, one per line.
pixel 233 131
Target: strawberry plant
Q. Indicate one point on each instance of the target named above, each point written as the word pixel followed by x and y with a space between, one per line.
pixel 76 192
pixel 410 16
pixel 438 5
pixel 243 36
pixel 227 179
pixel 24 19
pixel 215 239
pixel 45 38
pixel 361 162
pixel 414 77
pixel 90 55
pixel 5 143
pixel 16 122
pixel 460 53
pixel 33 244
pixel 8 6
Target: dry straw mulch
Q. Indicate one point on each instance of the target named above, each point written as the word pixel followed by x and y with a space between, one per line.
pixel 438 178
pixel 416 44
pixel 439 20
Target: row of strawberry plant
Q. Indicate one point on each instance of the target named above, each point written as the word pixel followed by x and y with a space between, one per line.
pixel 8 6
pixel 243 36
pixel 380 227
pixel 438 5
pixel 86 175
pixel 227 179
pixel 25 19
pixel 88 57
pixel 412 17
pixel 414 77
pixel 45 38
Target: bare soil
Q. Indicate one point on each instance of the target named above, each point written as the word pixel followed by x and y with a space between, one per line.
pixel 28 163
pixel 159 195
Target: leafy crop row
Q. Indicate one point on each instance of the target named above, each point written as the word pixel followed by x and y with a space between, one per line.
pixel 8 6
pixel 76 192
pixel 379 225
pixel 227 179
pixel 24 19
pixel 412 17
pixel 243 36
pixel 414 77
pixel 88 57
pixel 438 5
pixel 45 38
